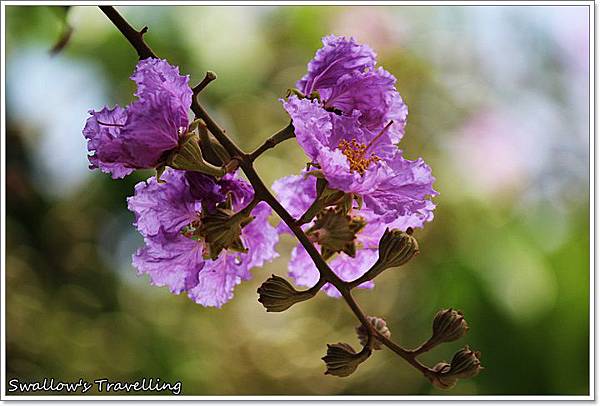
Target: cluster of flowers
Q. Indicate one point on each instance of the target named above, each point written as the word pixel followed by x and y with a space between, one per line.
pixel 170 213
pixel 348 118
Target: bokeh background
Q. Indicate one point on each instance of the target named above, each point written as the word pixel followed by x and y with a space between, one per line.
pixel 498 105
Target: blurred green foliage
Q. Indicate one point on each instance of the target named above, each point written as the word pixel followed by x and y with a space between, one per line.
pixel 517 268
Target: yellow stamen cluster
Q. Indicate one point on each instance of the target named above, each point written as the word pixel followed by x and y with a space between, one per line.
pixel 357 155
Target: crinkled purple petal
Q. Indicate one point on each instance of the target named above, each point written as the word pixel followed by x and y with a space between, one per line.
pixel 154 76
pixel 312 124
pixel 170 260
pixel 204 188
pixel 240 189
pixel 215 283
pixel 337 171
pixel 339 56
pixel 348 269
pixel 404 191
pixel 302 269
pixel 102 131
pixel 319 133
pixel 374 95
pixel 296 193
pixel 152 128
pixel 163 207
pixel 260 238
pixel 141 135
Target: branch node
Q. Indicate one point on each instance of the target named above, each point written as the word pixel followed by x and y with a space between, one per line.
pixel 209 77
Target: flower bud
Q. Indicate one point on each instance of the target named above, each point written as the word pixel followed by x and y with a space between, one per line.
pixel 448 325
pixel 396 248
pixel 465 364
pixel 276 294
pixel 379 325
pixel 440 379
pixel 341 359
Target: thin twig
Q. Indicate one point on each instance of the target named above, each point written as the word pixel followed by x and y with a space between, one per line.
pixel 135 38
pixel 209 77
pixel 285 133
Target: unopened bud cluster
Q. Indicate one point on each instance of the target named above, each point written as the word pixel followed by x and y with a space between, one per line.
pixel 464 365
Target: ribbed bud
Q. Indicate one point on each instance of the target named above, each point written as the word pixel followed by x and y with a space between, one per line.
pixel 276 294
pixel 396 248
pixel 465 364
pixel 441 380
pixel 379 325
pixel 448 325
pixel 341 359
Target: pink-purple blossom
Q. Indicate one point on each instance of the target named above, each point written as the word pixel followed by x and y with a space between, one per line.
pixel 172 259
pixel 349 132
pixel 142 134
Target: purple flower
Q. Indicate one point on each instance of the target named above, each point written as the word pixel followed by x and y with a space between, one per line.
pixel 349 132
pixel 142 134
pixel 171 257
pixel 296 193
pixel 338 57
pixel 164 208
pixel 344 74
pixel 355 161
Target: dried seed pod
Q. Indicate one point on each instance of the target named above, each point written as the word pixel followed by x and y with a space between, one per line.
pixel 379 325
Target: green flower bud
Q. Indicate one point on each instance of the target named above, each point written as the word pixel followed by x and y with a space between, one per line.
pixel 379 325
pixel 341 359
pixel 276 294
pixel 396 248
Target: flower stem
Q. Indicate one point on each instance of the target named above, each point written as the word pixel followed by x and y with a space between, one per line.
pixel 209 77
pixel 135 38
pixel 285 133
